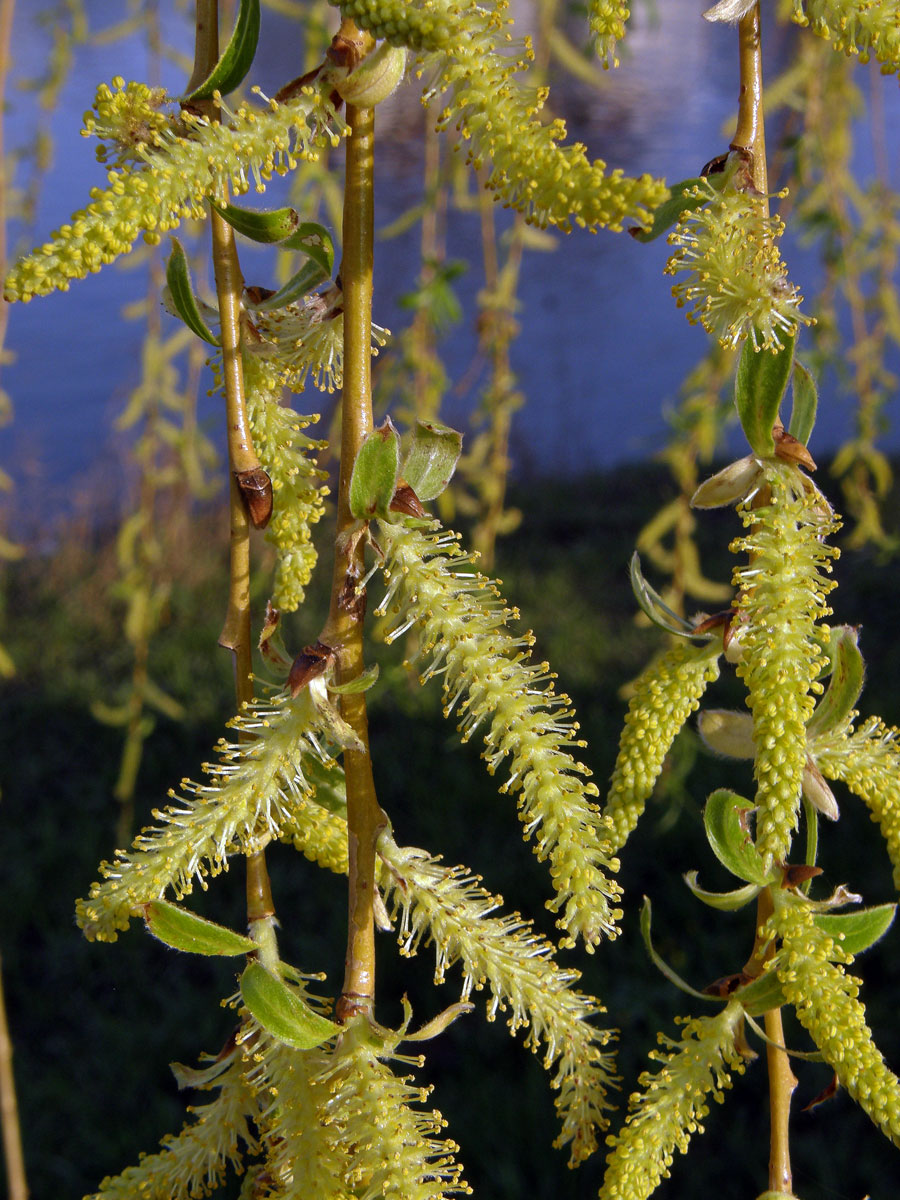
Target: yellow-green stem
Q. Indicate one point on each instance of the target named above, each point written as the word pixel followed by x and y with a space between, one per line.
pixel 344 629
pixel 781 1078
pixel 781 1087
pixel 750 133
pixel 236 632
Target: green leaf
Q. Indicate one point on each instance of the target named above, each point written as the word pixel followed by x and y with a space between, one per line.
pixel 805 401
pixel 281 1012
pixel 857 931
pixel 299 285
pixel 432 458
pixel 181 293
pixel 315 242
pixel 237 57
pixel 183 930
pixel 725 901
pixel 267 227
pixel 761 995
pixel 725 817
pixel 653 604
pixel 361 683
pixel 375 473
pixel 759 386
pixel 844 687
pixel 660 963
pixel 681 199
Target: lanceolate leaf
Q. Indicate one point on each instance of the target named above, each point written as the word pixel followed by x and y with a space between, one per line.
pixel 183 930
pixel 857 931
pixel 759 387
pixel 726 820
pixel 316 243
pixel 375 473
pixel 432 458
pixel 181 292
pixel 682 198
pixel 361 683
pixel 844 686
pixel 299 285
pixel 761 995
pixel 281 1012
pixel 805 402
pixel 653 604
pixel 660 963
pixel 726 901
pixel 237 57
pixel 266 226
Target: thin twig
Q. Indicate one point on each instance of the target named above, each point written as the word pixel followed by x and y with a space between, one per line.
pixel 236 632
pixel 750 135
pixel 344 629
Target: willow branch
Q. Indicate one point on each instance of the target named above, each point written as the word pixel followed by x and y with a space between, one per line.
pixel 781 1078
pixel 243 463
pixel 750 132
pixel 344 628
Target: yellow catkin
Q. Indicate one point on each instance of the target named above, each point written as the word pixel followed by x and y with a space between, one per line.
pixel 868 762
pixel 256 791
pixel 448 906
pixel 490 683
pixel 665 695
pixel 781 597
pixel 526 164
pixel 673 1104
pixel 868 28
pixel 825 999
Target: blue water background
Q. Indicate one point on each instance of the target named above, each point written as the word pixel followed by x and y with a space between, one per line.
pixel 602 351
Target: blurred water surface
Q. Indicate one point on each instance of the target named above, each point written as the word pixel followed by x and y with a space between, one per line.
pixel 603 348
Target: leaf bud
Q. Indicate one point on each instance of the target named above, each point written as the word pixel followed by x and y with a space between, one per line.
pixel 376 77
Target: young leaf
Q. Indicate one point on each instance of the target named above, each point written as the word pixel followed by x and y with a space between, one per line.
pixel 299 285
pixel 267 227
pixel 316 243
pixel 682 198
pixel 761 995
pixel 237 57
pixel 361 683
pixel 375 473
pixel 726 901
pixel 183 930
pixel 281 1012
pixel 432 458
pixel 805 400
pixel 653 604
pixel 759 386
pixel 181 292
pixel 660 963
pixel 725 818
pixel 845 685
pixel 857 931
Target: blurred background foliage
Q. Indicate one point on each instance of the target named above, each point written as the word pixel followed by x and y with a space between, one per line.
pixel 112 605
